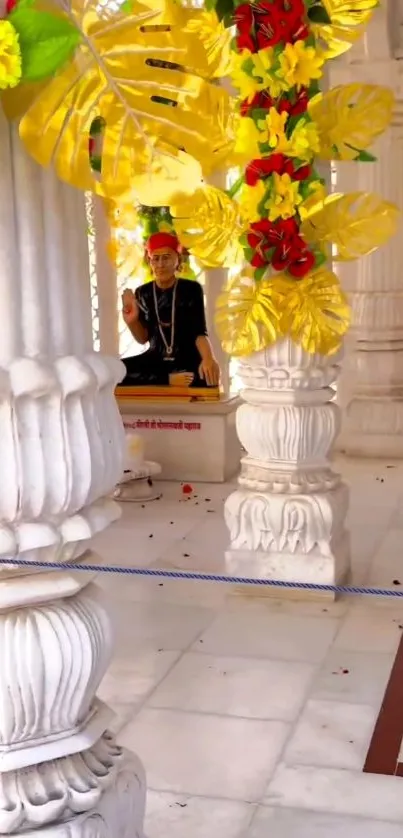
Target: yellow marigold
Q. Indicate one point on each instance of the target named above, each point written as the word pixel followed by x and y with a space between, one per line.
pixel 250 198
pixel 10 56
pixel 304 141
pixel 284 198
pixel 299 64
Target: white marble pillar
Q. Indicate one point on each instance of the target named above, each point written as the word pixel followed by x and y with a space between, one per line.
pixel 61 454
pixel 214 284
pixel 107 284
pixel 286 519
pixel 371 384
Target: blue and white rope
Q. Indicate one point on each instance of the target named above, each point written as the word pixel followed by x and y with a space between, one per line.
pixel 205 577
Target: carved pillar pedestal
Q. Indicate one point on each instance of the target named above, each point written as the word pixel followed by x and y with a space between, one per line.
pixel 286 519
pixel 61 454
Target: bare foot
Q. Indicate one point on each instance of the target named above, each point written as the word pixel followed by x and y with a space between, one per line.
pixel 181 379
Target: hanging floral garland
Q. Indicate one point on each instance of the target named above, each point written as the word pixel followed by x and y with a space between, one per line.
pixel 288 227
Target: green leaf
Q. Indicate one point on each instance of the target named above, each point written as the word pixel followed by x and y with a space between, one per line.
pixel 318 14
pixel 365 157
pixel 97 126
pixel 260 272
pixel 47 41
pixel 96 163
pixel 224 9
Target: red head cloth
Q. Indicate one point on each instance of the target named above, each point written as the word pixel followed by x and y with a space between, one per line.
pixel 158 240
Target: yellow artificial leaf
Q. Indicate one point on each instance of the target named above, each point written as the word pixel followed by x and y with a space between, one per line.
pixel 156 187
pixel 356 224
pixel 216 39
pixel 126 256
pixel 314 311
pixel 348 20
pixel 209 225
pixel 246 318
pixel 155 116
pixel 350 117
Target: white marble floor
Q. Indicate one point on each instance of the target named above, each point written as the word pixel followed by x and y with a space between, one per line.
pixel 253 715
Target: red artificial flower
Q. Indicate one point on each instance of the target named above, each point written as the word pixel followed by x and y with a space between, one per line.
pixel 290 251
pixel 260 169
pixel 296 108
pixel 259 25
pixel 261 100
pixel 301 264
pixel 10 5
pixel 244 24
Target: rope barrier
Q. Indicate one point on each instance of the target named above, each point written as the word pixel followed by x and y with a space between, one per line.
pixel 160 573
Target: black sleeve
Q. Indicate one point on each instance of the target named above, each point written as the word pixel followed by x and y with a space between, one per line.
pixel 144 317
pixel 198 313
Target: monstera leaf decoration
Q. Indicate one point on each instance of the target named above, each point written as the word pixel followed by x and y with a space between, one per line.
pixel 157 117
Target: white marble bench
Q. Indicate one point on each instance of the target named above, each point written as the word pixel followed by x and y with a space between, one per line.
pixel 191 441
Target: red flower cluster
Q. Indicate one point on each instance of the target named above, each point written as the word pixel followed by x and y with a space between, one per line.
pixel 264 101
pixel 10 5
pixel 265 24
pixel 262 168
pixel 279 244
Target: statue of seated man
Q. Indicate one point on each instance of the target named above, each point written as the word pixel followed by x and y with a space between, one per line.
pixel 168 313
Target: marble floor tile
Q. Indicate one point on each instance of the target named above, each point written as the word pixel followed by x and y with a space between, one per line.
pixel 163 626
pixel 370 630
pixel 268 635
pixel 184 816
pixel 335 790
pixel 235 687
pixel 130 679
pixel 356 677
pixel 333 734
pixel 294 823
pixel 206 755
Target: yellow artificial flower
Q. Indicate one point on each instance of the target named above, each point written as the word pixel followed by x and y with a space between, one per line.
pixel 299 64
pixel 274 125
pixel 264 73
pixel 284 197
pixel 10 56
pixel 242 80
pixel 304 141
pixel 250 198
pixel 247 139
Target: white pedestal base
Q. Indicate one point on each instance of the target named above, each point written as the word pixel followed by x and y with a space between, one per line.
pixel 294 538
pixel 192 442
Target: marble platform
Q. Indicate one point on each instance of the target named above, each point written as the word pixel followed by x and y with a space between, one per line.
pixel 193 442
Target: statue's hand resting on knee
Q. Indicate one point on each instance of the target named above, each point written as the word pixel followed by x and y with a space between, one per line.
pixel 181 379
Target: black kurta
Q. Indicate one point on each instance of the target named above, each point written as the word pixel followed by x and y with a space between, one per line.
pixel 153 366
